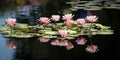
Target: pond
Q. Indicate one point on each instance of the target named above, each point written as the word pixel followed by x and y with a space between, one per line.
pixel 33 49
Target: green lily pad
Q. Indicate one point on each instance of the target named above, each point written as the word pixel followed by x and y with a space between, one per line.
pixel 105 33
pixel 51 32
pixel 22 36
pixel 72 31
pixel 70 37
pixel 49 36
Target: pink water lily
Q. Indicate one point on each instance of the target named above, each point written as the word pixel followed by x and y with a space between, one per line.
pixel 55 17
pixel 92 18
pixel 44 20
pixel 67 17
pixel 11 21
pixel 63 33
pixel 92 48
pixel 11 45
pixel 69 46
pixel 69 23
pixel 43 39
pixel 81 41
pixel 81 21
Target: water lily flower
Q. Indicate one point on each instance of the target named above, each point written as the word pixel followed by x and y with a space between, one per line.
pixel 55 42
pixel 67 17
pixel 11 45
pixel 81 21
pixel 69 46
pixel 69 23
pixel 55 17
pixel 44 20
pixel 92 18
pixel 43 39
pixel 92 48
pixel 63 33
pixel 81 41
pixel 11 21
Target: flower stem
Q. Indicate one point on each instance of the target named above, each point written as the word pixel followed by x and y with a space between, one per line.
pixel 11 31
pixel 90 33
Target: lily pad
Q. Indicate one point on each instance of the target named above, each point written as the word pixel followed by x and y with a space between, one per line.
pixel 51 32
pixel 105 33
pixel 49 36
pixel 22 36
pixel 72 31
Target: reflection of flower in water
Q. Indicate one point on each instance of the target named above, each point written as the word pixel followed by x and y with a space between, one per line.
pixel 59 42
pixel 43 39
pixel 81 41
pixel 11 45
pixel 92 48
pixel 55 42
pixel 69 46
pixel 65 43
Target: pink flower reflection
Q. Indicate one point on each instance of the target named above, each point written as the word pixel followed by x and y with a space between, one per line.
pixel 55 17
pixel 63 43
pixel 11 21
pixel 11 45
pixel 67 17
pixel 44 20
pixel 92 48
pixel 43 39
pixel 59 42
pixel 63 33
pixel 92 18
pixel 69 46
pixel 55 42
pixel 81 21
pixel 81 41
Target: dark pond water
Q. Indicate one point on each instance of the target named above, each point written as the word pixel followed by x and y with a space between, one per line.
pixel 32 49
